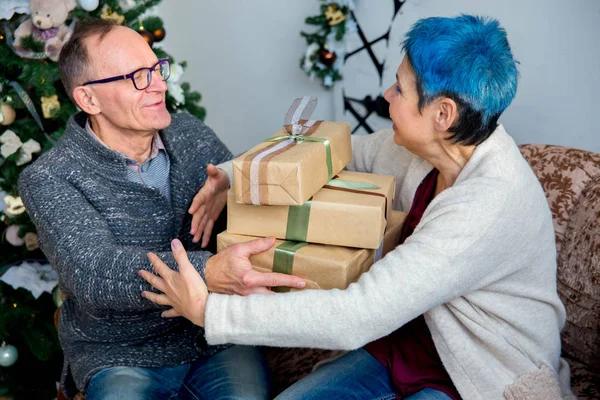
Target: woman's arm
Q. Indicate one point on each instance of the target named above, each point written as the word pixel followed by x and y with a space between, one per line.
pixel 456 250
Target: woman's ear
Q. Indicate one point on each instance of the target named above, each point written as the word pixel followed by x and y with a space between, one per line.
pixel 85 99
pixel 446 114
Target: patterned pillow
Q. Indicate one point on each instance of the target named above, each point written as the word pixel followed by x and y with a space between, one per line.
pixel 563 173
pixel 579 278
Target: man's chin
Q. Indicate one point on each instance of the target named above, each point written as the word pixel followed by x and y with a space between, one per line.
pixel 160 118
pixel 165 121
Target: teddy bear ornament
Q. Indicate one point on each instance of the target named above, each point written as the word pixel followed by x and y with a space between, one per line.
pixel 46 25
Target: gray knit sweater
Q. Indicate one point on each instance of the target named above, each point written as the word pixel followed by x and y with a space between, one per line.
pixel 96 227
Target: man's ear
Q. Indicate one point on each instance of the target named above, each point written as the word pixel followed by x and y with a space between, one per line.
pixel 85 99
pixel 446 114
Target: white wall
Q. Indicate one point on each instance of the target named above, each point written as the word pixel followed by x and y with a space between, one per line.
pixel 243 58
pixel 556 43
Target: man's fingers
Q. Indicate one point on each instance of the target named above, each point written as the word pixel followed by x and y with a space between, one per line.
pixel 199 200
pixel 256 246
pixel 196 202
pixel 200 228
pixel 255 279
pixel 211 170
pixel 207 232
pixel 157 298
pixel 197 218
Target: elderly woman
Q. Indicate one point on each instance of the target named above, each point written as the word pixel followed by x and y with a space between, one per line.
pixel 466 306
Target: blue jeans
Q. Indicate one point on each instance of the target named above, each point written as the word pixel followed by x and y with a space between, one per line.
pixel 356 375
pixel 240 372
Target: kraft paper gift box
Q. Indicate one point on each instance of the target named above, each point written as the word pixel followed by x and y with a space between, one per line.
pixel 292 165
pixel 321 266
pixel 335 216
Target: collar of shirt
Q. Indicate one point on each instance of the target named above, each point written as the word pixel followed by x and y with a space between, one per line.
pixel 157 145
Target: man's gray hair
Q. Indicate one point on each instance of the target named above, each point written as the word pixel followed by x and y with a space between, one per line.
pixel 74 59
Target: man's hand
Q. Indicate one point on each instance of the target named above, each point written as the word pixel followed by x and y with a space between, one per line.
pixel 184 291
pixel 208 204
pixel 230 271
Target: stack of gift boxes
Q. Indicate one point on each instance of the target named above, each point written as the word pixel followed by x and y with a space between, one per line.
pixel 331 225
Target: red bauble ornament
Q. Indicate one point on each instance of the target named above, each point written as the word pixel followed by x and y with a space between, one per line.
pixel 327 57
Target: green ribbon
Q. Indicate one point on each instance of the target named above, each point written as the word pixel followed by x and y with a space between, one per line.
pixel 297 223
pixel 345 184
pixel 283 261
pixel 301 138
pixel 298 216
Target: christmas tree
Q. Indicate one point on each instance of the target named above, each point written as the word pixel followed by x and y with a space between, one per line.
pixel 34 109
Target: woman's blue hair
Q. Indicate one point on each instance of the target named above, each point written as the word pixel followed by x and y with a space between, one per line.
pixel 468 59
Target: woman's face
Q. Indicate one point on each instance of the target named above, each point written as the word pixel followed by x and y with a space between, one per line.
pixel 412 129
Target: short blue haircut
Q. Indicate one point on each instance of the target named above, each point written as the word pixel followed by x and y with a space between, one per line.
pixel 468 59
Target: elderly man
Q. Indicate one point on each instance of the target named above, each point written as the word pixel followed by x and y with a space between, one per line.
pixel 125 179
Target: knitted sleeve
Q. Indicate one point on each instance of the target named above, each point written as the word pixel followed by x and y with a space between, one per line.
pixel 461 247
pixel 92 265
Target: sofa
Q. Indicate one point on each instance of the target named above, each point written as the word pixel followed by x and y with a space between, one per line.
pixel 571 180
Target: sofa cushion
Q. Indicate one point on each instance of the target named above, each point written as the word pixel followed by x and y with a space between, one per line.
pixel 585 381
pixel 563 173
pixel 579 278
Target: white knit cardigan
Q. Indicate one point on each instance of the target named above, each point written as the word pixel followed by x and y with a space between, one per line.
pixel 481 267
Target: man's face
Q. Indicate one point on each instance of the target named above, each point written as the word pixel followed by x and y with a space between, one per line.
pixel 123 107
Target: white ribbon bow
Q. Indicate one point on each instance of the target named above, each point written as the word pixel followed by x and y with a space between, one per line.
pixel 11 143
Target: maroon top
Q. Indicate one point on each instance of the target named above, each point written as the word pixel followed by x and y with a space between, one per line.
pixel 409 353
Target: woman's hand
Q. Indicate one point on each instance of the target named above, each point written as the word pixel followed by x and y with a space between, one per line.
pixel 184 291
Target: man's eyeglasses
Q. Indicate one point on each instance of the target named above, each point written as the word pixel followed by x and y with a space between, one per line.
pixel 142 77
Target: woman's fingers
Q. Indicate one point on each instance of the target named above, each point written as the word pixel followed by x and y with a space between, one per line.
pixel 157 298
pixel 172 313
pixel 159 266
pixel 154 281
pixel 180 256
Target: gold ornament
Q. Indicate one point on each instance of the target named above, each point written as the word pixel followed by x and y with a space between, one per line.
pixel 109 14
pixel 7 114
pixel 50 105
pixel 147 36
pixel 158 34
pixel 31 241
pixel 334 15
pixel 13 206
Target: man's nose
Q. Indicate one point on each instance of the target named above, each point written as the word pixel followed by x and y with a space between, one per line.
pixel 157 83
